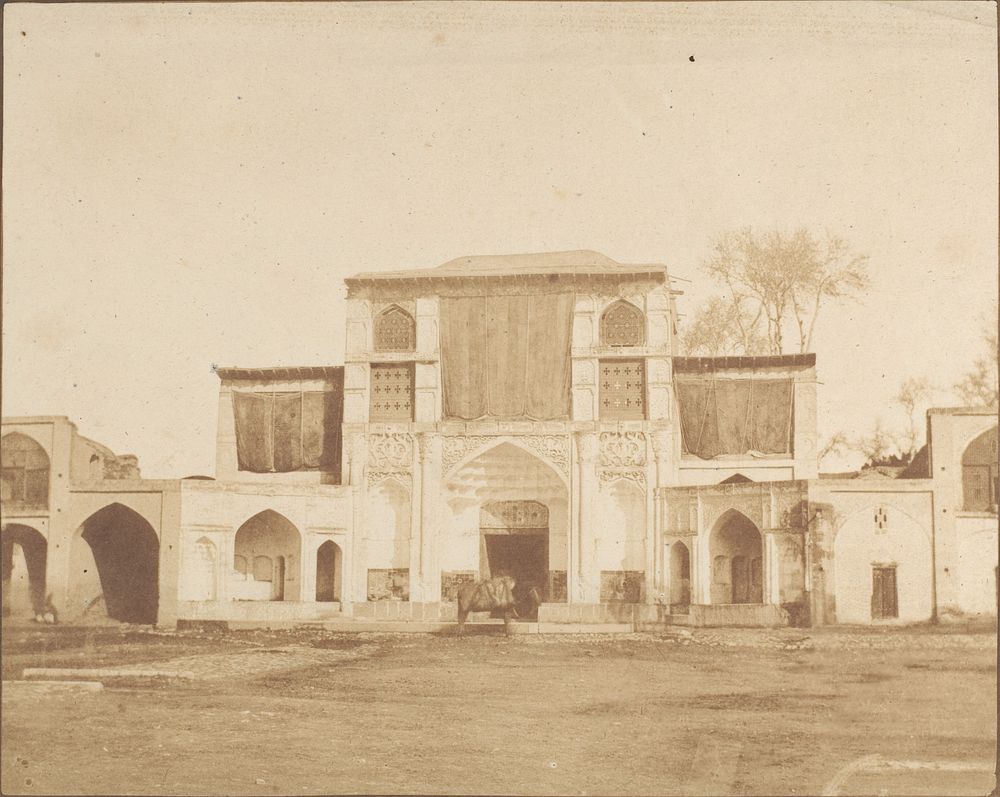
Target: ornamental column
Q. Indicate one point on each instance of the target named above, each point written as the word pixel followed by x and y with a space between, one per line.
pixel 588 585
pixel 357 453
pixel 428 570
pixel 662 442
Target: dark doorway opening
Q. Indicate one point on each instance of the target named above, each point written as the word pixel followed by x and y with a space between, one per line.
pixel 526 558
pixel 680 577
pixel 32 547
pixel 328 572
pixel 126 552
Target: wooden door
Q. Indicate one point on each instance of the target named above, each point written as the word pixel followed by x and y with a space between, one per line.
pixel 884 596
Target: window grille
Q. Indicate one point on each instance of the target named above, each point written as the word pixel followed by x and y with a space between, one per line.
pixel 623 324
pixel 395 330
pixel 25 472
pixel 979 473
pixel 623 389
pixel 392 392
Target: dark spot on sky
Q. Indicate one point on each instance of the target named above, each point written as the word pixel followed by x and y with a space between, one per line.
pixel 691 59
pixel 24 33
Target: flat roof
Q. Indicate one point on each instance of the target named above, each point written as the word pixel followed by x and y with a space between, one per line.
pixel 577 262
pixel 282 372
pixel 962 411
pixel 699 364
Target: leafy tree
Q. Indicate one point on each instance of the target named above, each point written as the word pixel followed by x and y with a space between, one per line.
pixel 775 285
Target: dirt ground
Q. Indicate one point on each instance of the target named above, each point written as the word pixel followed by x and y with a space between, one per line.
pixel 702 712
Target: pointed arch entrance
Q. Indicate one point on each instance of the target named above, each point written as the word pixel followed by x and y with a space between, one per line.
pixel 267 552
pixel 329 571
pixel 508 515
pixel 114 567
pixel 23 560
pixel 680 574
pixel 736 555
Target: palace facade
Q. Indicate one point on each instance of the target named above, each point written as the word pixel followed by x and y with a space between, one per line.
pixel 525 415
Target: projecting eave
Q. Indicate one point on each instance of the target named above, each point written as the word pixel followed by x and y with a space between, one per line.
pixel 277 373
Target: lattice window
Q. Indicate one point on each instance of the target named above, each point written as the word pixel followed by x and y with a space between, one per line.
pixel 514 515
pixel 392 392
pixel 623 324
pixel 979 473
pixel 395 330
pixel 25 472
pixel 623 389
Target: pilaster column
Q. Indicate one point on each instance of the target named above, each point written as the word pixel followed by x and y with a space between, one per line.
pixel 662 446
pixel 357 456
pixel 429 574
pixel 357 449
pixel 588 587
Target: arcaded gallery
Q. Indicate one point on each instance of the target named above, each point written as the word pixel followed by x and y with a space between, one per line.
pixel 521 415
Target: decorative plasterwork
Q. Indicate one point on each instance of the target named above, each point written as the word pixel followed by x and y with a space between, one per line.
pixel 455 448
pixel 623 449
pixel 636 475
pixel 403 477
pixel 392 451
pixel 552 448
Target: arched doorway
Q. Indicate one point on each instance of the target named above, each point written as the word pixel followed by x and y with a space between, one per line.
pixel 114 566
pixel 507 512
pixel 736 552
pixel 515 542
pixel 328 572
pixel 680 575
pixel 266 557
pixel 23 562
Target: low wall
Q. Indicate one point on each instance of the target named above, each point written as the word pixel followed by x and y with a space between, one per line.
pixel 753 615
pixel 259 611
pixel 405 610
pixel 600 613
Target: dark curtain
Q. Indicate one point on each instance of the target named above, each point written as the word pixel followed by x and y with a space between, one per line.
pixel 253 431
pixel 735 416
pixel 506 356
pixel 285 432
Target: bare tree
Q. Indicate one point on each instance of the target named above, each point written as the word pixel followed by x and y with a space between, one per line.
pixel 775 281
pixel 722 327
pixel 836 445
pixel 914 393
pixel 877 446
pixel 978 388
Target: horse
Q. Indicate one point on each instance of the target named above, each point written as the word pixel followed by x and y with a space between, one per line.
pixel 491 595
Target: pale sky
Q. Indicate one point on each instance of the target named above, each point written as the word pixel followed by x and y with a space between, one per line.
pixel 186 184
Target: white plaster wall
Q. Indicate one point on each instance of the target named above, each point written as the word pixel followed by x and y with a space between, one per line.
pixel 620 532
pixel 976 562
pixel 387 526
pixel 858 546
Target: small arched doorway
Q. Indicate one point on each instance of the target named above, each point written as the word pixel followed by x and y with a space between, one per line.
pixel 114 566
pixel 328 572
pixel 265 557
pixel 680 575
pixel 23 562
pixel 735 547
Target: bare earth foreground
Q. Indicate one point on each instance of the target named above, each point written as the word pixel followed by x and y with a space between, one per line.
pixel 704 712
